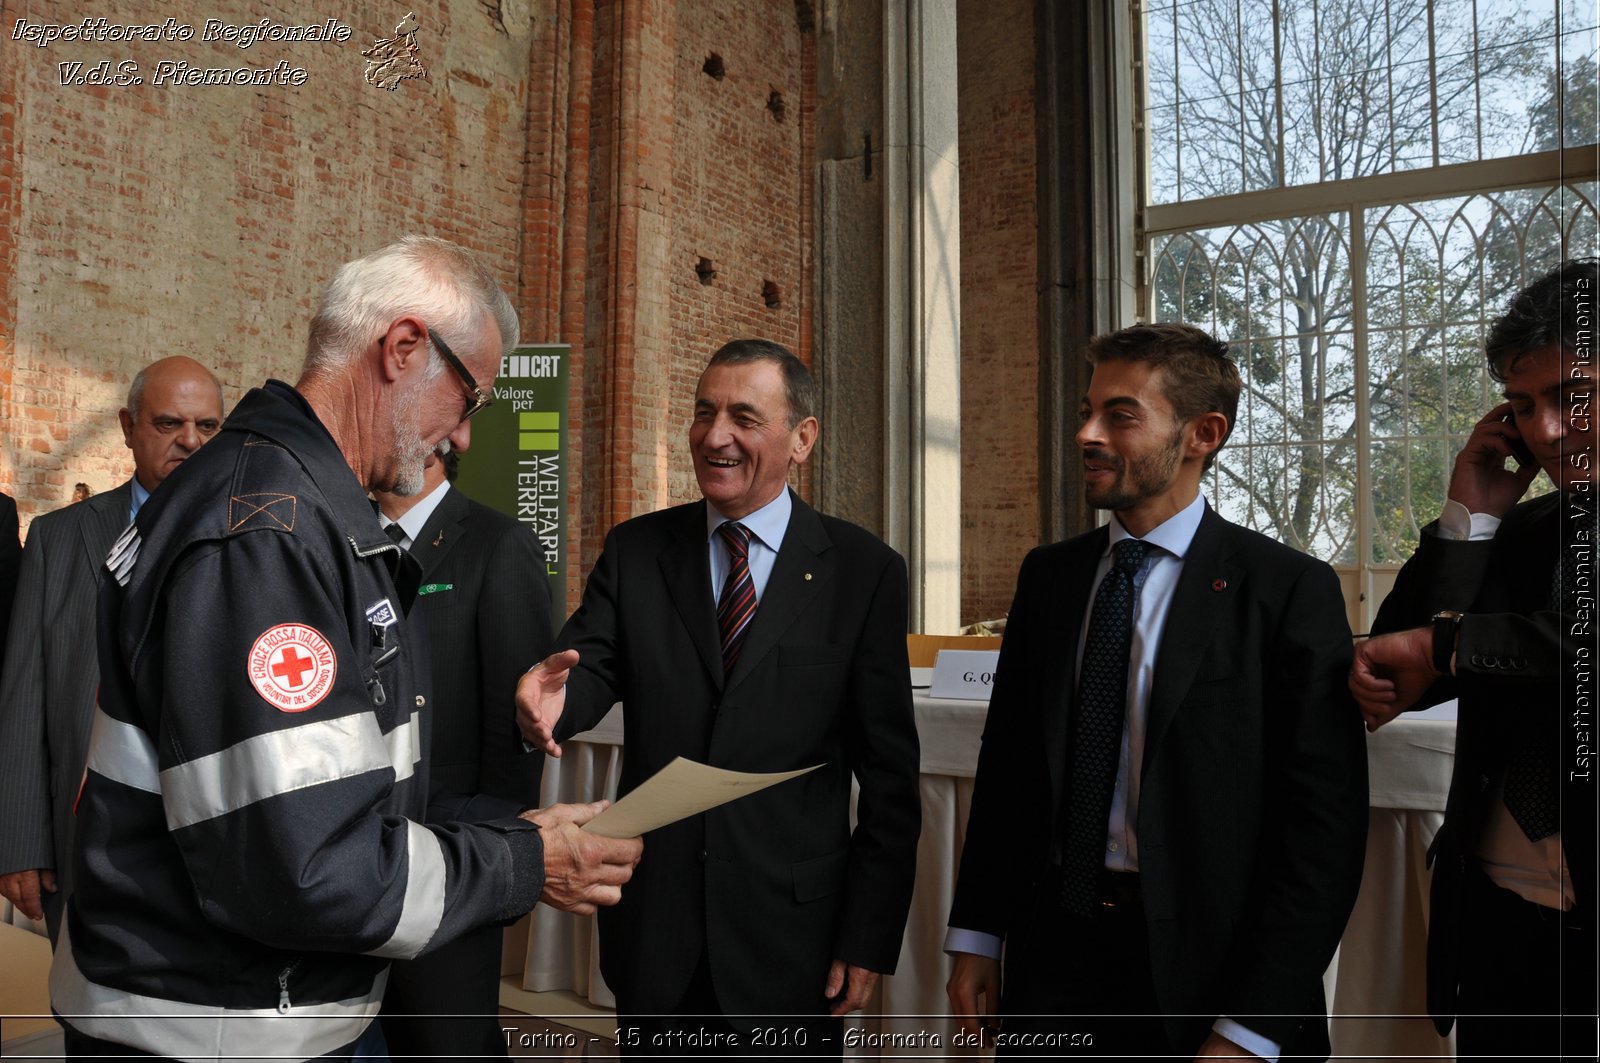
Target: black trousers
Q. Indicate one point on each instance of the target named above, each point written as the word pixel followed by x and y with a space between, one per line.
pixel 698 1028
pixel 1078 986
pixel 446 1004
pixel 1527 978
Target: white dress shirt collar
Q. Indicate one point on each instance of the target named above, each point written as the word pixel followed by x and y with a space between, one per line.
pixel 413 520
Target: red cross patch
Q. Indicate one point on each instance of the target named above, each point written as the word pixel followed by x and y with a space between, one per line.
pixel 292 666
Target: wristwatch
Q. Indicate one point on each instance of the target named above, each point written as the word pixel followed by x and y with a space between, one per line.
pixel 1446 625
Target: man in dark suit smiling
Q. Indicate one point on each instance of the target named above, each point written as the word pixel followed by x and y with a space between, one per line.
pixel 1169 816
pixel 750 632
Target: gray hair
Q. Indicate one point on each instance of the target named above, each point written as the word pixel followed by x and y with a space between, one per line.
pixel 444 284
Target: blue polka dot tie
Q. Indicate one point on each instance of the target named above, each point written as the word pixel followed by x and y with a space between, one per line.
pixel 1097 728
pixel 737 604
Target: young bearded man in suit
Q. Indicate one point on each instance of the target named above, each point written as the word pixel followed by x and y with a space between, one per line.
pixel 486 601
pixel 748 631
pixel 48 689
pixel 1169 817
pixel 1496 609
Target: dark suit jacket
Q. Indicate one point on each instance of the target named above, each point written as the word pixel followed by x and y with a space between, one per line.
pixel 485 603
pixel 1512 654
pixel 49 680
pixel 10 563
pixel 774 886
pixel 1253 798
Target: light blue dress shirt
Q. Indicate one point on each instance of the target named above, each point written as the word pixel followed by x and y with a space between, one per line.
pixel 767 526
pixel 140 495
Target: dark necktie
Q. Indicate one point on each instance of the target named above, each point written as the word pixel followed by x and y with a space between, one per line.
pixel 1097 729
pixel 396 534
pixel 737 605
pixel 1533 770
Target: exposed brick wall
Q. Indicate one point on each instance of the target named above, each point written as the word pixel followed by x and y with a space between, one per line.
pixel 999 301
pixel 682 167
pixel 556 219
pixel 145 220
pixel 738 190
pixel 576 143
pixel 10 220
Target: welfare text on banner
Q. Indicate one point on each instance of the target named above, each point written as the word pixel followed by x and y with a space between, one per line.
pixel 518 462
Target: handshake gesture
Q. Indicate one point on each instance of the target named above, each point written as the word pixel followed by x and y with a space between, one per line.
pixel 582 871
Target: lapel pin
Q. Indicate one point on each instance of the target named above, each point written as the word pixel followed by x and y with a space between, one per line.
pixel 438 540
pixel 1219 584
pixel 808 577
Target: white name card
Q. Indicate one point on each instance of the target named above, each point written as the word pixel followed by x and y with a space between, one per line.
pixel 967 674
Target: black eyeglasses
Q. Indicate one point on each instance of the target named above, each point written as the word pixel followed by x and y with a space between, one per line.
pixel 481 399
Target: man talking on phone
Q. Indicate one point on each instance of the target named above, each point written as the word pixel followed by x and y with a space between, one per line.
pixel 1496 608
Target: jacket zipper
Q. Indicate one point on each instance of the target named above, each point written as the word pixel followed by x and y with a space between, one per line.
pixel 351 539
pixel 283 987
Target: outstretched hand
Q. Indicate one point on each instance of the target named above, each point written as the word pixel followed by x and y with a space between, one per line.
pixel 541 697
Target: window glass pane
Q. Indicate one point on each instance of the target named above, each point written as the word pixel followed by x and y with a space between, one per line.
pixel 1365 87
pixel 1256 98
pixel 1439 272
pixel 1208 113
pixel 1399 507
pixel 1579 123
pixel 1261 93
pixel 1279 293
pixel 1161 95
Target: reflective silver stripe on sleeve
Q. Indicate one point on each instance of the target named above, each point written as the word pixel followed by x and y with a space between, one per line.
pixel 122 753
pixel 424 903
pixel 282 762
pixel 181 1030
pixel 405 747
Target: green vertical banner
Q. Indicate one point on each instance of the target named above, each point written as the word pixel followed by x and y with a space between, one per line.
pixel 518 460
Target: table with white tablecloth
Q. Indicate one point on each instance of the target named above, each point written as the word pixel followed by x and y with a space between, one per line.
pixel 1377 984
pixel 1379 970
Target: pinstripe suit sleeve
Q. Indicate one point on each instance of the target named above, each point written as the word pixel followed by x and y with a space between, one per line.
pixel 25 834
pixel 10 562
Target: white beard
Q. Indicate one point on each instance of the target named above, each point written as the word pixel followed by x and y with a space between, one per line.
pixel 410 452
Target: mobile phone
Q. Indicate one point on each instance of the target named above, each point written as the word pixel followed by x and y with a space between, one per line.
pixel 1519 449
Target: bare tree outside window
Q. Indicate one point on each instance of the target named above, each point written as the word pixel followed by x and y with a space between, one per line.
pixel 1348 191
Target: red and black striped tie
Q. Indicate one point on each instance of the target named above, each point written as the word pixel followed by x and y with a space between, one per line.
pixel 737 605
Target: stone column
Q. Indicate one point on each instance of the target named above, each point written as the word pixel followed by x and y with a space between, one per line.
pixel 922 306
pixel 888 344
